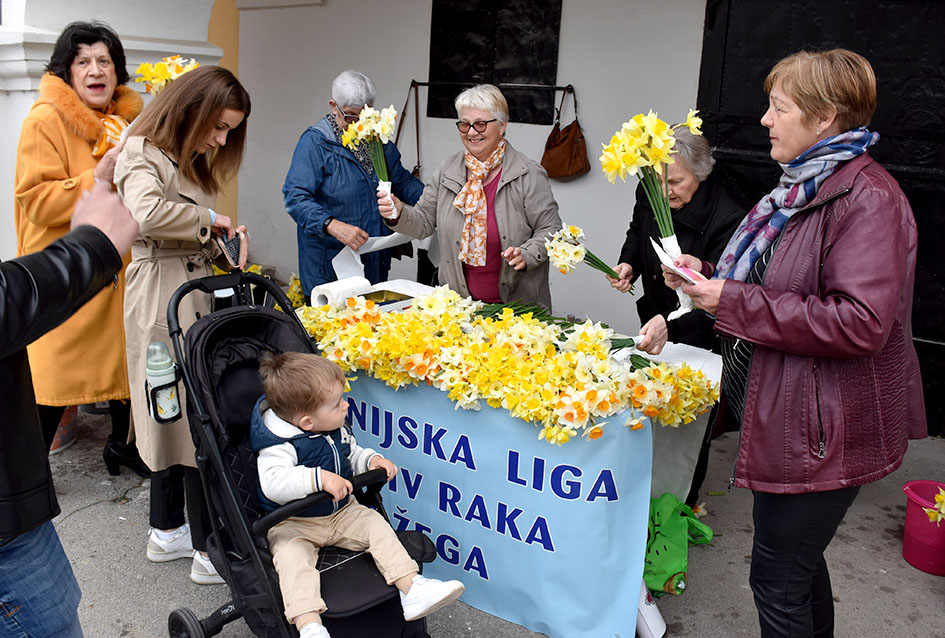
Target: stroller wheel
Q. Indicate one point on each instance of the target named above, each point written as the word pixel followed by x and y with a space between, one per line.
pixel 183 623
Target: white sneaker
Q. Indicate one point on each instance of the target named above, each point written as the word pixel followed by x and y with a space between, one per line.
pixel 177 546
pixel 426 595
pixel 203 572
pixel 314 630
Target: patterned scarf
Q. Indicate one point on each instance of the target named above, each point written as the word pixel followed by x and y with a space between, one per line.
pixel 471 201
pixel 360 151
pixel 114 125
pixel 798 187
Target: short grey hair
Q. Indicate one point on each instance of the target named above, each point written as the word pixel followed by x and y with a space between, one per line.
pixel 485 97
pixel 352 88
pixel 695 153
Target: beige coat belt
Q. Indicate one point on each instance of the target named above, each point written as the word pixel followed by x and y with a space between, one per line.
pixel 150 251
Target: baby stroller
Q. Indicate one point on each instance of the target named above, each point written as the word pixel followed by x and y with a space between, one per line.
pixel 219 364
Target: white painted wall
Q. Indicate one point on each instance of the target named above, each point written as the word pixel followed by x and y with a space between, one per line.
pixel 623 57
pixel 176 19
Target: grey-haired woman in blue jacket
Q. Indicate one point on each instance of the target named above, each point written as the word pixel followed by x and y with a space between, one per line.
pixel 330 191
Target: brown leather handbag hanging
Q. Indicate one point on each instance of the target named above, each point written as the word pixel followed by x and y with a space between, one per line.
pixel 565 152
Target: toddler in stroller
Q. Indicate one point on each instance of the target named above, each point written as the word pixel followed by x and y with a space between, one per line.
pixel 298 430
pixel 218 360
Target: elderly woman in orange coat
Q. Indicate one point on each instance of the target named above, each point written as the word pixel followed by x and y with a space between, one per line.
pixel 69 141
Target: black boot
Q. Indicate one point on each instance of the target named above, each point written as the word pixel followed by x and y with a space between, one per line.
pixel 116 454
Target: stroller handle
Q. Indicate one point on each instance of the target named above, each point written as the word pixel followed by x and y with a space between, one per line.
pixel 358 482
pixel 220 282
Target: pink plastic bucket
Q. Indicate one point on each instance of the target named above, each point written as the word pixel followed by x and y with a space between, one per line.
pixel 923 545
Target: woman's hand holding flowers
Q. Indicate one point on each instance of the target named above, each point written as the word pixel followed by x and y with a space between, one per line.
pixel 623 283
pixel 654 335
pixel 389 206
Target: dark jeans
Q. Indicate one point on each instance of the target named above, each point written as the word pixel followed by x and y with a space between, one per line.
pixel 789 575
pixel 171 489
pixel 39 595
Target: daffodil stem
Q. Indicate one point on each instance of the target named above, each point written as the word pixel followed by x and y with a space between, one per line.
pixel 376 151
pixel 657 190
pixel 597 263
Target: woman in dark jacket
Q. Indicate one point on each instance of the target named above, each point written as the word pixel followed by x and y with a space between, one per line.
pixel 813 300
pixel 704 216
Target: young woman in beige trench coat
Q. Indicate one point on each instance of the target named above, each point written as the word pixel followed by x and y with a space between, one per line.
pixel 172 200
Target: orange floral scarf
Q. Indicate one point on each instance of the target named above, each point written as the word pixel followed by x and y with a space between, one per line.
pixel 114 125
pixel 471 201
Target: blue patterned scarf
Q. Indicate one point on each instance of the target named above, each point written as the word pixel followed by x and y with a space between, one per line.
pixel 798 187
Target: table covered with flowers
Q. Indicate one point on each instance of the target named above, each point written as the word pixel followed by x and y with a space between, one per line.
pixel 524 448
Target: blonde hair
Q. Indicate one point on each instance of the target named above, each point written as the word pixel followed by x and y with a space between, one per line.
pixel 485 97
pixel 298 383
pixel 819 82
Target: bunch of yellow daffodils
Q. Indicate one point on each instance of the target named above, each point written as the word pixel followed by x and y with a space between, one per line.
pixel 374 128
pixel 642 145
pixel 156 76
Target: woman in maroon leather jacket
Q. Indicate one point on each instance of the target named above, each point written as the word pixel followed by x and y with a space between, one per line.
pixel 812 298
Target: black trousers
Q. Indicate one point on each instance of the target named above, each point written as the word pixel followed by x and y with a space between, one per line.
pixel 171 490
pixel 789 576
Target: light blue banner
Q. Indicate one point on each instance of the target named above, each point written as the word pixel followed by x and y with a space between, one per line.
pixel 549 537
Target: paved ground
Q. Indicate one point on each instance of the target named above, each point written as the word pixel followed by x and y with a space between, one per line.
pixel 104 525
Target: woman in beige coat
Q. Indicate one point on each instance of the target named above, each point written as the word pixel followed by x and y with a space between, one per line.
pixel 491 208
pixel 188 140
pixel 70 141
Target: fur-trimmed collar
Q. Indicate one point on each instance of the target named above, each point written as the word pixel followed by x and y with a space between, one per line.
pixel 77 115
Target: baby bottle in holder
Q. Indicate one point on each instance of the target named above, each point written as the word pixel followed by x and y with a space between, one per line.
pixel 161 384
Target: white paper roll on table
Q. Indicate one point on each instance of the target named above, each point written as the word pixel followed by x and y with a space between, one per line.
pixel 335 293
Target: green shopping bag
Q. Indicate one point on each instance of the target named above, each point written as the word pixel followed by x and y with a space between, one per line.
pixel 672 529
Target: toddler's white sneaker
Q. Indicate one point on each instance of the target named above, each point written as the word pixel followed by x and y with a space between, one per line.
pixel 177 546
pixel 426 595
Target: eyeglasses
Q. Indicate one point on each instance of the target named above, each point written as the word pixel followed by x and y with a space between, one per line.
pixel 348 117
pixel 480 126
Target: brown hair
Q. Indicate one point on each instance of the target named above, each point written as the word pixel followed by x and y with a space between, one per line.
pixel 819 82
pixel 185 112
pixel 296 383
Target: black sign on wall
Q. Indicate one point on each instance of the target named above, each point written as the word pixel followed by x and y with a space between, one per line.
pixel 508 42
pixel 903 41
